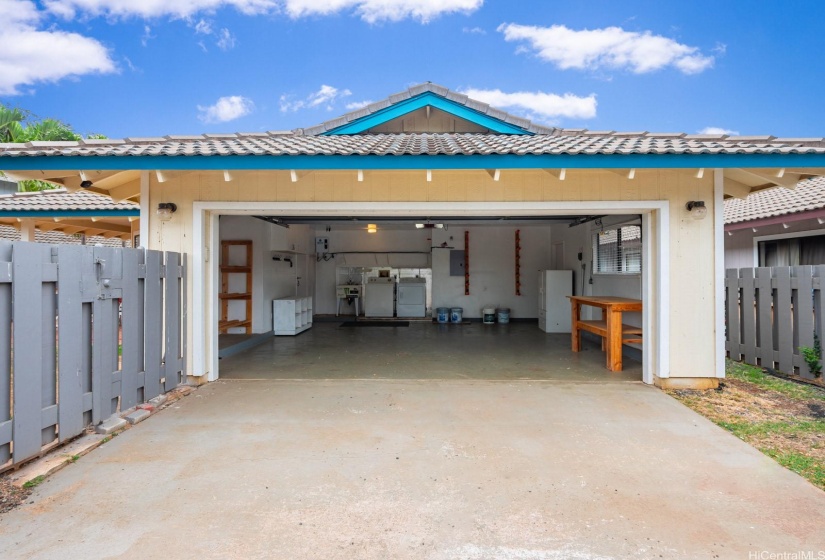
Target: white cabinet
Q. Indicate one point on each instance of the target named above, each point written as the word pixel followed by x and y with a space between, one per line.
pixel 554 307
pixel 297 238
pixel 291 315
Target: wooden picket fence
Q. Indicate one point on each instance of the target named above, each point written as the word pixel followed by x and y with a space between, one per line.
pixel 771 312
pixel 85 332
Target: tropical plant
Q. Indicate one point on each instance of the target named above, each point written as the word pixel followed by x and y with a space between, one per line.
pixel 17 126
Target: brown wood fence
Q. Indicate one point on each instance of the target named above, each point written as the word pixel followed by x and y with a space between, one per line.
pixel 771 312
pixel 65 362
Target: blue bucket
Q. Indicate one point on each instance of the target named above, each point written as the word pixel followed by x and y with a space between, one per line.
pixel 443 314
pixel 456 314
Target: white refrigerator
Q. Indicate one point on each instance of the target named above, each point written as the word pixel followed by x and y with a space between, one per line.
pixel 554 307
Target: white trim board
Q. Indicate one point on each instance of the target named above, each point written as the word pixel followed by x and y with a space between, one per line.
pixel 719 267
pixel 655 217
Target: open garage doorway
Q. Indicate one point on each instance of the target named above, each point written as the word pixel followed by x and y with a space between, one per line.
pixel 302 252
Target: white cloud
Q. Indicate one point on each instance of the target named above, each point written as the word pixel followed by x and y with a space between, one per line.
pixel 226 109
pixel 474 30
pixel 355 105
pixel 611 47
pixel 147 34
pixel 544 106
pixel 203 27
pixel 225 40
pixel 31 55
pixel 373 11
pixel 70 9
pixel 327 95
pixel 718 130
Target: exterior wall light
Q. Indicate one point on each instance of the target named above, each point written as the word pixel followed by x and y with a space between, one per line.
pixel 697 209
pixel 165 210
pixel 372 228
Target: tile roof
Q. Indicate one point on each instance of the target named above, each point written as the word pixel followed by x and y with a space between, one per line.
pixel 60 200
pixel 57 238
pixel 544 141
pixel 808 195
pixel 559 143
pixel 429 87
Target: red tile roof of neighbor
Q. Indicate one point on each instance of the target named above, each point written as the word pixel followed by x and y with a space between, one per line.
pixel 60 200
pixel 808 195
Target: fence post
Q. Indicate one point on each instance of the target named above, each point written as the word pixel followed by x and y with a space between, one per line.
pixel 734 331
pixel 5 351
pixel 765 322
pixel 747 306
pixel 783 318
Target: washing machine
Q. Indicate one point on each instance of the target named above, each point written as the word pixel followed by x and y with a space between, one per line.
pixel 379 297
pixel 411 300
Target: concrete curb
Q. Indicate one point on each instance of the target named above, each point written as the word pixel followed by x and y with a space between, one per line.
pixel 56 458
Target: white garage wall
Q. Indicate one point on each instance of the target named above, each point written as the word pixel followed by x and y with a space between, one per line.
pixel 579 238
pixel 342 241
pixel 492 269
pixel 270 279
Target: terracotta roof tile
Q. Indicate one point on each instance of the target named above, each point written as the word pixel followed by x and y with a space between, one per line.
pixel 61 200
pixel 808 195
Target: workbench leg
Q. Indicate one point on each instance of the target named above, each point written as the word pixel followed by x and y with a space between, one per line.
pixel 576 334
pixel 614 340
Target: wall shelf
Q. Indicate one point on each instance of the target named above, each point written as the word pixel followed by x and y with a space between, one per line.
pixel 225 296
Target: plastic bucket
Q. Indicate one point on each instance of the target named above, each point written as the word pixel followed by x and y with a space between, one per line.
pixel 503 314
pixel 489 315
pixel 443 314
pixel 456 314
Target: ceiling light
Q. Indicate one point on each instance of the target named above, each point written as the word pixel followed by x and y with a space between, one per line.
pixel 419 226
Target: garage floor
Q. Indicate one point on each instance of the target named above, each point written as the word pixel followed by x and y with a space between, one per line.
pixel 420 469
pixel 424 351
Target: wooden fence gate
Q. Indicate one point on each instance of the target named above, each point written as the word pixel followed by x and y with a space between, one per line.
pixel 771 312
pixel 85 332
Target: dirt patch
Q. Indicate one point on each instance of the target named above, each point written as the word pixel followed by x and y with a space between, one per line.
pixel 10 495
pixel 784 420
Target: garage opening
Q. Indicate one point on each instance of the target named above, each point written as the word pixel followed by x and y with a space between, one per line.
pixel 331 296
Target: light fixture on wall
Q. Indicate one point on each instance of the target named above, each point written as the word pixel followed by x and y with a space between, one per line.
pixel 372 228
pixel 428 225
pixel 165 210
pixel 697 209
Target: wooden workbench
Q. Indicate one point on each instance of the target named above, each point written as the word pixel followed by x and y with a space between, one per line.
pixel 610 327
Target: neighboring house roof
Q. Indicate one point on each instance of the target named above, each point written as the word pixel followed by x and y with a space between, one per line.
pixel 808 195
pixel 289 144
pixel 56 238
pixel 61 202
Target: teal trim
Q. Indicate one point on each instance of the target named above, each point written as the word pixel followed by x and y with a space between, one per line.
pixel 481 161
pixel 68 213
pixel 402 108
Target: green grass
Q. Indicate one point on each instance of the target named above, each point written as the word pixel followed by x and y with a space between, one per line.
pixel 803 465
pixel 755 375
pixel 34 482
pixel 776 416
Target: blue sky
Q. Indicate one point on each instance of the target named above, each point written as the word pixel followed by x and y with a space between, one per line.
pixel 156 67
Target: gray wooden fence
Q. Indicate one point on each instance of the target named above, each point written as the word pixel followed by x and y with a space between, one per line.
pixel 771 312
pixel 65 361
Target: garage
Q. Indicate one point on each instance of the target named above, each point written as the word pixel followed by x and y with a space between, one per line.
pixel 398 271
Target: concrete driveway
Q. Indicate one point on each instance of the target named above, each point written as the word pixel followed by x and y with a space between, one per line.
pixel 463 469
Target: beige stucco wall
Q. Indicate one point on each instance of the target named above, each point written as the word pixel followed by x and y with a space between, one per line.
pixel 691 248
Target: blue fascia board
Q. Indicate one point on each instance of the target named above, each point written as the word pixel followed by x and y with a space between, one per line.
pixel 374 162
pixel 68 213
pixel 402 108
